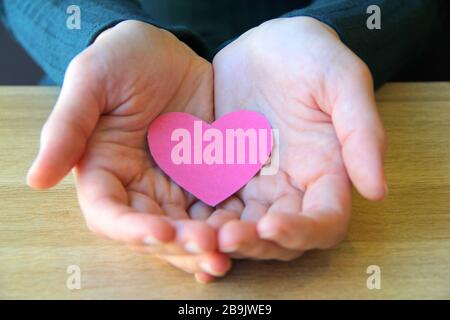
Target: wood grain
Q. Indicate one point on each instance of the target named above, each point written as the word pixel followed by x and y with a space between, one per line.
pixel 407 236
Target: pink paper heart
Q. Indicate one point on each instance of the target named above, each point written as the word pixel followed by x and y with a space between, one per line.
pixel 200 157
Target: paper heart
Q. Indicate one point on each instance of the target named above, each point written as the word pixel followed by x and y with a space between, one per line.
pixel 211 161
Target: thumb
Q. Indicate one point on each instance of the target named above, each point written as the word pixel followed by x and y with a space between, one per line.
pixel 361 134
pixel 69 126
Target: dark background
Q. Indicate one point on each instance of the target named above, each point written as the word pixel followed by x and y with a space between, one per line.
pixel 16 68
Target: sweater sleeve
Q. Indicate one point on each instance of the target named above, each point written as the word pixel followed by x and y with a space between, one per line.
pixel 407 27
pixel 40 26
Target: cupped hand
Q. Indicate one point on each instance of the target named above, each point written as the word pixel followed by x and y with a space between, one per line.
pixel 320 97
pixel 112 91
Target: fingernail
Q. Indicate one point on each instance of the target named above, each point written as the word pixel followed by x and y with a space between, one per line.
pixel 192 247
pixel 150 240
pixel 199 279
pixel 267 234
pixel 229 249
pixel 206 267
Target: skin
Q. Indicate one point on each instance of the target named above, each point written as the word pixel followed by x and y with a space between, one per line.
pixel 329 132
pixel 319 95
pixel 111 92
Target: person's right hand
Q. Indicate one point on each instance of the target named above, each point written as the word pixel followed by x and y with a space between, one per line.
pixel 112 91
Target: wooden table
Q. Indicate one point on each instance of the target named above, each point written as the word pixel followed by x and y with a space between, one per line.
pixel 407 236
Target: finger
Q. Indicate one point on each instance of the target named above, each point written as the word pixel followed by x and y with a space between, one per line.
pixel 361 134
pixel 175 211
pixel 200 211
pixel 191 238
pixel 214 264
pixel 289 203
pixel 241 238
pixel 221 216
pixel 144 203
pixel 253 211
pixel 232 204
pixel 203 277
pixel 103 201
pixel 323 221
pixel 159 248
pixel 228 210
pixel 64 135
pixel 195 236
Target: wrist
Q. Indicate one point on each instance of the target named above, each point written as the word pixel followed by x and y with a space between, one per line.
pixel 298 24
pixel 132 27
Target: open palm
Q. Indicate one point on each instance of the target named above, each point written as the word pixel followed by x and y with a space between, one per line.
pixel 112 91
pixel 319 96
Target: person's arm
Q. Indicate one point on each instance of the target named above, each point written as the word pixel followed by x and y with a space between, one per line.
pixel 40 27
pixel 406 29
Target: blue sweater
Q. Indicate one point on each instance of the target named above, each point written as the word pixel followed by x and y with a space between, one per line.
pixel 409 28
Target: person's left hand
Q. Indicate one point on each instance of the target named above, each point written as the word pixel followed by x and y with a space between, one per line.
pixel 319 95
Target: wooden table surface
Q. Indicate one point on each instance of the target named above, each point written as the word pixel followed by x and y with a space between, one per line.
pixel 407 236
